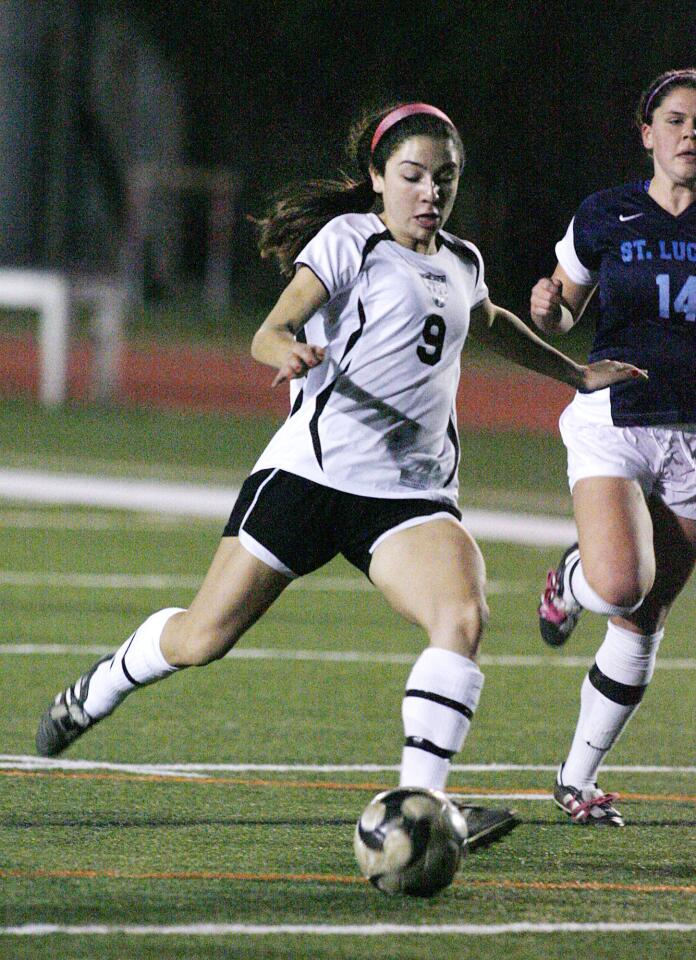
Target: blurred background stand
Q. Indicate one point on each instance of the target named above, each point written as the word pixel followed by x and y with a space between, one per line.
pixel 106 299
pixel 159 201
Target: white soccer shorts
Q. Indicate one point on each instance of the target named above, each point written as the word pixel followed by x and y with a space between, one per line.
pixel 661 459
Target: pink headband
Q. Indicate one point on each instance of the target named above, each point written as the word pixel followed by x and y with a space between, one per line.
pixel 400 113
pixel 672 78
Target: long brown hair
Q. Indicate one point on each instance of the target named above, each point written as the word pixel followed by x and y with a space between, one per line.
pixel 300 211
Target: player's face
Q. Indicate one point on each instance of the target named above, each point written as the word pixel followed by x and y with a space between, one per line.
pixel 672 137
pixel 418 190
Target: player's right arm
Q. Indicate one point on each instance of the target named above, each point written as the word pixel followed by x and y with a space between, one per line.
pixel 274 342
pixel 557 302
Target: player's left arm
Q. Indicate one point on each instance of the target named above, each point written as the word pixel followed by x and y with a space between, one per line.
pixel 505 334
pixel 274 342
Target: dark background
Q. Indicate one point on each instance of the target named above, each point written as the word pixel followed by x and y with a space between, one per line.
pixel 543 94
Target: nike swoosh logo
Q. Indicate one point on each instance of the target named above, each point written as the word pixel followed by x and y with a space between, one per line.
pixel 631 216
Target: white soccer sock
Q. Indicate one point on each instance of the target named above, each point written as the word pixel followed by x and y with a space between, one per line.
pixel 610 695
pixel 442 694
pixel 576 583
pixel 137 662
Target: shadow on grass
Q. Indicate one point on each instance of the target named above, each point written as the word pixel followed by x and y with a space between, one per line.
pixel 150 823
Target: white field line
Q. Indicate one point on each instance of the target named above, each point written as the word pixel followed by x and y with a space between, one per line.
pixel 42 519
pixel 341 930
pixel 168 581
pixel 314 583
pixel 195 500
pixel 337 656
pixel 10 761
pixel 187 499
pixel 138 770
pixel 100 581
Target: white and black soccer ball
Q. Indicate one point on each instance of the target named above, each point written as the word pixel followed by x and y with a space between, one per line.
pixel 410 840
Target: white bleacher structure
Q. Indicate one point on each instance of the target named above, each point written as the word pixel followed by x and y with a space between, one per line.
pixel 53 295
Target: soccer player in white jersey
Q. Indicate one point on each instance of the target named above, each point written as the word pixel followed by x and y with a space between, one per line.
pixel 631 447
pixel 372 322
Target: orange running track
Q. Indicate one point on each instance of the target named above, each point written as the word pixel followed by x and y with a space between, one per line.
pixel 194 378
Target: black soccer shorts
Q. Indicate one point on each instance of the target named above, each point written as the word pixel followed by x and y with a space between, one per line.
pixel 296 526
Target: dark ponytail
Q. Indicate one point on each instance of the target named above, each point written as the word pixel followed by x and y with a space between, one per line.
pixel 298 213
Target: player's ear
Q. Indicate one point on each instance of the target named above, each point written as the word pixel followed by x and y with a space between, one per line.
pixel 377 180
pixel 646 135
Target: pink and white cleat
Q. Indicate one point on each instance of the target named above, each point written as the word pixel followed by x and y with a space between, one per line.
pixel 589 806
pixel 559 614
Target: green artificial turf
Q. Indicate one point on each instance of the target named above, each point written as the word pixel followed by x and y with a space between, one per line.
pixel 116 845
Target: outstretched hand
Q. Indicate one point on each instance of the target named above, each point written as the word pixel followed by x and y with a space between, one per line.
pixel 302 357
pixel 603 373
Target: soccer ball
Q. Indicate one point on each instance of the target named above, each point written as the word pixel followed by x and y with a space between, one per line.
pixel 410 840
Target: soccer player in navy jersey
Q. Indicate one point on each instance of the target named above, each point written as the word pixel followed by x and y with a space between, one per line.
pixel 371 324
pixel 631 447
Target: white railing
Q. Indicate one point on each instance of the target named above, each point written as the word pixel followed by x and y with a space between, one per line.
pixel 52 295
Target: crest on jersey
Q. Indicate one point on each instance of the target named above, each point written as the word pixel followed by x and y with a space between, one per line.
pixel 437 284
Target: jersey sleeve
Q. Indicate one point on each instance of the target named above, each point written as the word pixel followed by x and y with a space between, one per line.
pixel 481 290
pixel 579 252
pixel 334 254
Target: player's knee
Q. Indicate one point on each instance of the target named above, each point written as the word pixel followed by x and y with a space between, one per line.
pixel 460 626
pixel 624 588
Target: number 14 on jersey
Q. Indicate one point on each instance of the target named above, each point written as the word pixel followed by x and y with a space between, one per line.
pixel 685 301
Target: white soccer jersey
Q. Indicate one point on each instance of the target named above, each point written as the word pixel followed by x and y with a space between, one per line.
pixel 377 416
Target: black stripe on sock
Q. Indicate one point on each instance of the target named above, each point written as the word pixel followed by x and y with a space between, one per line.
pixel 620 693
pixel 443 701
pixel 420 743
pixel 127 675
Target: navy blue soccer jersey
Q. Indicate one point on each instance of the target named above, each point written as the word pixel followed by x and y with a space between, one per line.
pixel 644 261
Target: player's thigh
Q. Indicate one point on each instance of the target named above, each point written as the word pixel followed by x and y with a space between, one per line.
pixel 614 532
pixel 431 573
pixel 237 589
